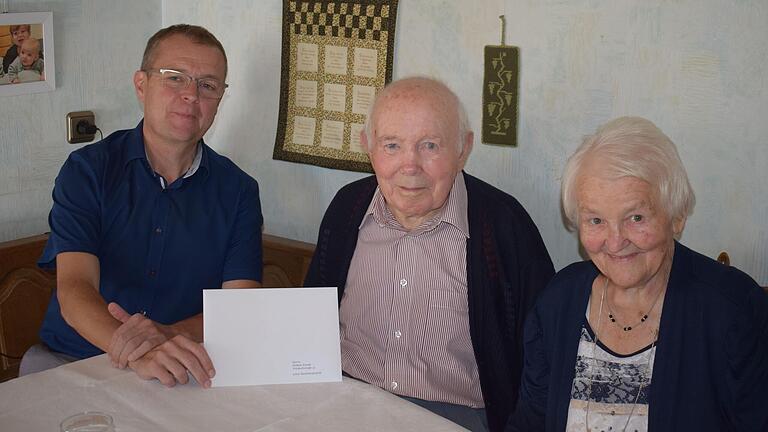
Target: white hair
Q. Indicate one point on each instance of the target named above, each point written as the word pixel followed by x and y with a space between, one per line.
pixel 631 147
pixel 436 88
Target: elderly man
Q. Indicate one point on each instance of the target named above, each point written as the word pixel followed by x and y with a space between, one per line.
pixel 435 268
pixel 145 219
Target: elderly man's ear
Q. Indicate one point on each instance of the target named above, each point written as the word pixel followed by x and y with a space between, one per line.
pixel 466 149
pixel 364 141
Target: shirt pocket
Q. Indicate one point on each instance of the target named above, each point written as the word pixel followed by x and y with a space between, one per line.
pixel 445 336
pixel 445 299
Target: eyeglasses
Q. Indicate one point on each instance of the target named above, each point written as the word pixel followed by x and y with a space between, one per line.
pixel 209 88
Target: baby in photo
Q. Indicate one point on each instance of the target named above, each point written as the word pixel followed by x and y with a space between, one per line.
pixel 28 66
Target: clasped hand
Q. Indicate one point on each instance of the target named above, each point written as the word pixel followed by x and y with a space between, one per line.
pixel 169 363
pixel 135 337
pixel 154 350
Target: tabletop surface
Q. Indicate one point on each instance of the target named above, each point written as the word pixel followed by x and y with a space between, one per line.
pixel 38 402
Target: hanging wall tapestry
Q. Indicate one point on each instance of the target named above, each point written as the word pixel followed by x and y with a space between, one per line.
pixel 500 92
pixel 336 56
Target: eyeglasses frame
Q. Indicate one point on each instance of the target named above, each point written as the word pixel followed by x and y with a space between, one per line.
pixel 191 78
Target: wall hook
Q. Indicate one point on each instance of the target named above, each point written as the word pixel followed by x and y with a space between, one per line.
pixel 503 28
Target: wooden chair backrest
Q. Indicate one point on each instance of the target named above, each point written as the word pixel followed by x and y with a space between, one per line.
pixel 24 294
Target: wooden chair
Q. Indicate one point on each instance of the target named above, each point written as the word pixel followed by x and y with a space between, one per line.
pixel 25 290
pixel 286 261
pixel 24 294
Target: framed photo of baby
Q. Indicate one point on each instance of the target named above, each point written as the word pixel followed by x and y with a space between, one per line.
pixel 26 50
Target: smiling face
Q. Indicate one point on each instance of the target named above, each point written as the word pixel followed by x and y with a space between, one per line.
pixel 20 34
pixel 415 150
pixel 30 52
pixel 625 231
pixel 179 116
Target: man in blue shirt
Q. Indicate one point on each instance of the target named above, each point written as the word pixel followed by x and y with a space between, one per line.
pixel 146 219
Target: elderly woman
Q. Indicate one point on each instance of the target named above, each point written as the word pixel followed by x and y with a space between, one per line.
pixel 648 335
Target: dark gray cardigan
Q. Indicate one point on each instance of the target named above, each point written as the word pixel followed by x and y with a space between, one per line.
pixel 711 366
pixel 507 265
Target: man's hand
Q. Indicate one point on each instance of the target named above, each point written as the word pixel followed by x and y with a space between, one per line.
pixel 135 337
pixel 169 363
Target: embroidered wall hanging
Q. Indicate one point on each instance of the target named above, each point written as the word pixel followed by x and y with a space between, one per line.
pixel 336 56
pixel 500 93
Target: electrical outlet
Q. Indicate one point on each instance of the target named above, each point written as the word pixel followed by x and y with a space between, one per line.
pixel 80 135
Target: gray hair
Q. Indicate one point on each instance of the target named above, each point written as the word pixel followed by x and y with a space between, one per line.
pixel 631 147
pixel 433 86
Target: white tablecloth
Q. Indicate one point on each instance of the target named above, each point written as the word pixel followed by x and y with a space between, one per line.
pixel 40 401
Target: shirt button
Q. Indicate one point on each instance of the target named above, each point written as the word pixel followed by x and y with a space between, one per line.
pixel 158 230
pixel 394 385
pixel 403 282
pixel 398 334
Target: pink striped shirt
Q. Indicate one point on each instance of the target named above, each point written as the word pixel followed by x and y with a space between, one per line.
pixel 404 314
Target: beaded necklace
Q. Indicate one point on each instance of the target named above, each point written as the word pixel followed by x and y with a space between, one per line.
pixel 594 363
pixel 626 328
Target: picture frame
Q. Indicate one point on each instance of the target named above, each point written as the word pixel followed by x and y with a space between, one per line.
pixel 40 76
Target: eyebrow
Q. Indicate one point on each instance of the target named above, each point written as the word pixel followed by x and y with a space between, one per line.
pixel 387 138
pixel 397 138
pixel 627 209
pixel 187 72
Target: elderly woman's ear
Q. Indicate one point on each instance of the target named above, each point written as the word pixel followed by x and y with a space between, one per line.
pixel 678 225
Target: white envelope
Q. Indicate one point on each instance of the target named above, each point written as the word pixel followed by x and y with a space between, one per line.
pixel 272 335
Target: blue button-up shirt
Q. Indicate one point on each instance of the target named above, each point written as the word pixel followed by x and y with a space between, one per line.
pixel 158 247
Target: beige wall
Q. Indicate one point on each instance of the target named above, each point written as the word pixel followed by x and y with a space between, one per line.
pixel 697 68
pixel 98 46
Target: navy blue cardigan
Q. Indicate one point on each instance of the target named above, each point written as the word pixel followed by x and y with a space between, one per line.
pixel 507 266
pixel 711 367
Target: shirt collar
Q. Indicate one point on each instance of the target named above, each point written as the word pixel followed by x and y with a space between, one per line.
pixel 455 209
pixel 136 149
pixel 195 162
pixel 190 171
pixel 453 212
